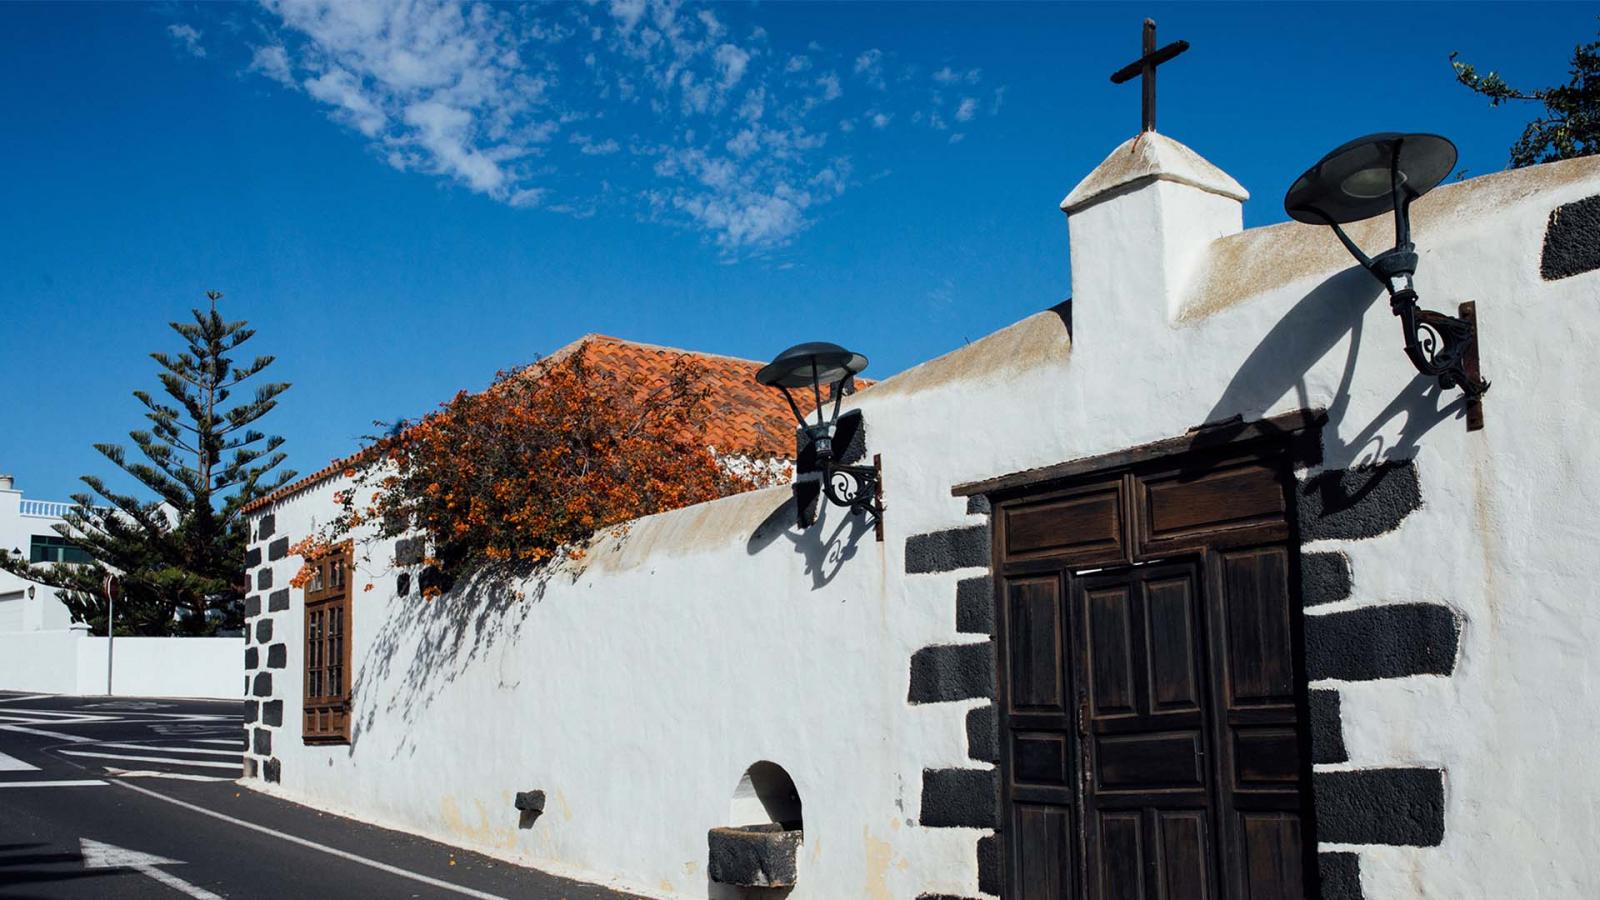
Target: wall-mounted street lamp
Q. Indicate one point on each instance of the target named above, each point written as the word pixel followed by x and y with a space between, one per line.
pixel 819 365
pixel 1368 177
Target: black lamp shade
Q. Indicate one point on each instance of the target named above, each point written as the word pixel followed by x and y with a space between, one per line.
pixel 1353 182
pixel 817 362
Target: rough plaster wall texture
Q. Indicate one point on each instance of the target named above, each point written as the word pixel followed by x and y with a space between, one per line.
pixel 702 656
pixel 644 665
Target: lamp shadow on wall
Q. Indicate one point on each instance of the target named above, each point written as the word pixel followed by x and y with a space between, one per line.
pixel 1306 333
pixel 826 546
pixel 444 637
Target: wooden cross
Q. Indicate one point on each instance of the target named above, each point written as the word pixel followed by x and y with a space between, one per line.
pixel 1145 67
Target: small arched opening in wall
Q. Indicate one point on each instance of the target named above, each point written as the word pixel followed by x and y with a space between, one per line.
pixel 756 853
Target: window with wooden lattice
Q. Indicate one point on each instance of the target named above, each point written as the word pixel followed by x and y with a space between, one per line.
pixel 327 652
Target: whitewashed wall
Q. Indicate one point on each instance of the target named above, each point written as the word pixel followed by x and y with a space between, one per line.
pixel 637 687
pixel 69 661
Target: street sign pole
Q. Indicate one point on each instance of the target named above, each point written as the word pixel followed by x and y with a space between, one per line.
pixel 111 619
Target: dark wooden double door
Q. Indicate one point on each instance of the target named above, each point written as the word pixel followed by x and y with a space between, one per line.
pixel 1152 735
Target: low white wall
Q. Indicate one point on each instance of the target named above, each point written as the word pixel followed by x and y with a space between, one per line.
pixel 71 662
pixel 40 661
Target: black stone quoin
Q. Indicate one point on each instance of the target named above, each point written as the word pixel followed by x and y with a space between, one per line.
pixel 250 709
pixel 1324 578
pixel 252 657
pixel 278 549
pixel 1327 731
pixel 252 606
pixel 1341 876
pixel 991 872
pixel 272 713
pixel 273 770
pixel 278 600
pixel 983 734
pixel 975 605
pixel 1382 642
pixel 944 551
pixel 1397 807
pixel 952 672
pixel 252 557
pixel 1571 240
pixel 960 798
pixel 1358 503
pixel 263 630
pixel 277 656
pixel 262 742
pixel 263 578
pixel 263 685
pixel 266 526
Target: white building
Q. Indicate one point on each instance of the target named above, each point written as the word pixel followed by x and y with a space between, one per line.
pixel 1194 571
pixel 42 649
pixel 27 530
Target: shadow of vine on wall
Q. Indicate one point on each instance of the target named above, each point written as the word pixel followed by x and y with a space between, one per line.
pixel 414 657
pixel 1303 336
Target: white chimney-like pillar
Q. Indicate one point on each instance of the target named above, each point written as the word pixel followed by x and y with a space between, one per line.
pixel 1138 224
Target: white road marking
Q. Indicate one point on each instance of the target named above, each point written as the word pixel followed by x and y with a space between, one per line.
pixel 151 773
pixel 109 856
pixel 22 697
pixel 43 784
pixel 12 764
pixel 342 854
pixel 74 738
pixel 239 742
pixel 129 746
pixel 159 759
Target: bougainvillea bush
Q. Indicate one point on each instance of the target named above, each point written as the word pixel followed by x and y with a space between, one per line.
pixel 537 463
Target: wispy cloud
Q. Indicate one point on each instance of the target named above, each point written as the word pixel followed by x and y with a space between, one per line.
pixel 657 108
pixel 188 37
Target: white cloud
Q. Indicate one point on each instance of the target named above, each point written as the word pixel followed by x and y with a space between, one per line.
pixel 732 62
pixel 273 62
pixel 717 133
pixel 188 37
pixel 830 87
pixel 948 75
pixel 339 89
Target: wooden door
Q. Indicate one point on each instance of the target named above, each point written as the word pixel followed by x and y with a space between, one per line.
pixel 1147 784
pixel 1153 739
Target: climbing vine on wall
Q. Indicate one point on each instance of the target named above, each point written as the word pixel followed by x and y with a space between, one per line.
pixel 537 463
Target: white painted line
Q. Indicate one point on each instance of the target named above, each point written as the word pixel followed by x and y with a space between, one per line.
pixel 156 759
pixel 382 867
pixel 130 746
pixel 175 776
pixel 12 764
pixel 97 855
pixel 21 697
pixel 41 784
pixel 231 743
pixel 73 738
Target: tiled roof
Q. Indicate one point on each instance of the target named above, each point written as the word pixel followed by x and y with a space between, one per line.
pixel 744 416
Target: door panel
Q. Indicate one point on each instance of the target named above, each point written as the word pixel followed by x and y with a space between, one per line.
pixel 1149 794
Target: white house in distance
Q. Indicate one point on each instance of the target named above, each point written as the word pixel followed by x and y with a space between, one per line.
pixel 27 530
pixel 1210 593
pixel 42 649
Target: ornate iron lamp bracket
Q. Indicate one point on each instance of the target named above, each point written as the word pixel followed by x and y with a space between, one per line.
pixel 857 488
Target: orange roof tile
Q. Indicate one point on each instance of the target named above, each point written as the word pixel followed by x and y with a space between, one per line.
pixel 745 417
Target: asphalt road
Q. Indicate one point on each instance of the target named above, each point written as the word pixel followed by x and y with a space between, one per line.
pixel 126 797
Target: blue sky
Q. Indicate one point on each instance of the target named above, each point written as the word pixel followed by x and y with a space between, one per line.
pixel 402 200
